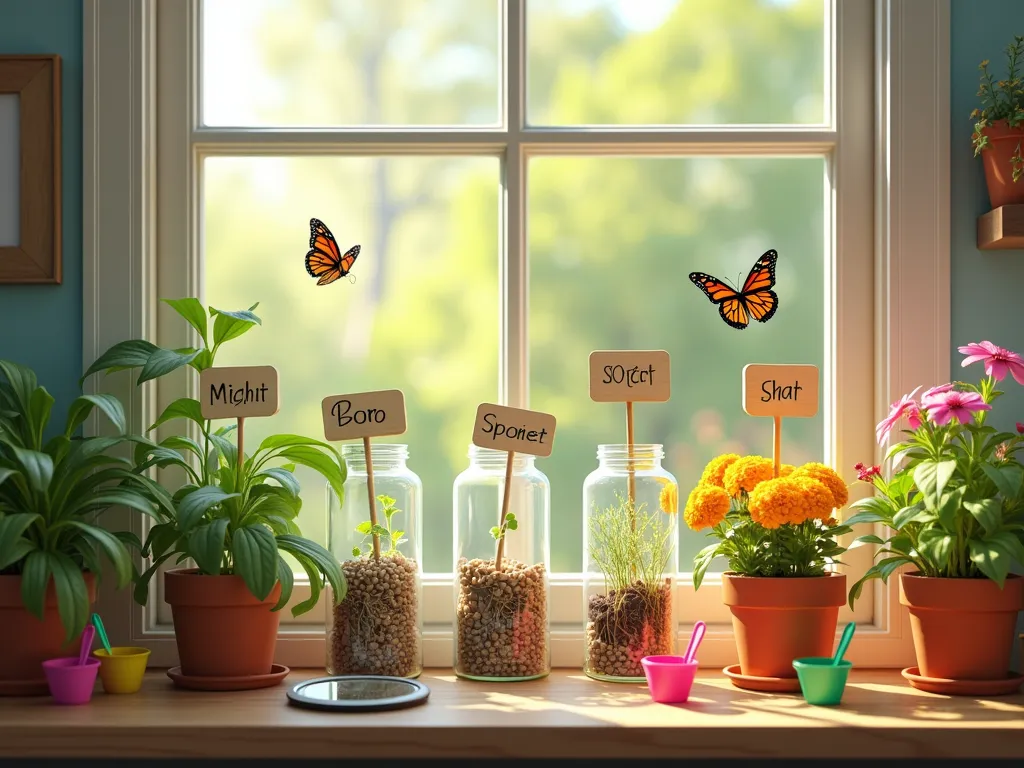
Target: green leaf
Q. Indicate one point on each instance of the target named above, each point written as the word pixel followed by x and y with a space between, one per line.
pixel 180 443
pixel 496 532
pixel 225 448
pixel 109 405
pixel 510 516
pixel 949 506
pixel 163 361
pixel 22 381
pixel 866 517
pixel 1006 479
pixel 39 406
pixel 315 585
pixel 703 561
pixel 37 467
pixel 282 476
pixel 192 310
pixel 880 570
pixel 867 539
pixel 912 514
pixel 254 551
pixel 231 325
pixel 993 561
pixel 936 545
pixel 356 552
pixel 115 550
pixel 206 545
pixel 183 408
pixel 396 535
pixel 987 512
pixel 324 463
pixel 35 578
pixel 13 547
pixel 379 530
pixel 512 524
pixel 141 592
pixel 192 508
pixel 321 558
pixel 72 594
pixel 931 478
pixel 364 528
pixel 202 361
pixel 287 579
pixel 125 354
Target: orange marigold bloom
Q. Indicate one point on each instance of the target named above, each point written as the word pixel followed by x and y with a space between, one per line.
pixel 744 474
pixel 706 507
pixel 668 499
pixel 827 477
pixel 715 470
pixel 785 470
pixel 789 500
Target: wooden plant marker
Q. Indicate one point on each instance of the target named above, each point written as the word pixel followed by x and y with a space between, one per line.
pixel 238 393
pixel 630 376
pixel 517 431
pixel 777 391
pixel 365 415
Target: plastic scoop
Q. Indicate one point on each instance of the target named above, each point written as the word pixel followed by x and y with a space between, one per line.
pixel 88 635
pixel 98 623
pixel 844 643
pixel 695 639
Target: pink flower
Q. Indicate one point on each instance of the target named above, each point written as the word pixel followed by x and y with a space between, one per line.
pixel 866 473
pixel 905 406
pixel 955 405
pixel 1020 428
pixel 939 390
pixel 998 361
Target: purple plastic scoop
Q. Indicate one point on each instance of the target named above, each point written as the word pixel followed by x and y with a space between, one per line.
pixel 695 637
pixel 88 635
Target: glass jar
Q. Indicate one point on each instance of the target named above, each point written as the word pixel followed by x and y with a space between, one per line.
pixel 501 613
pixel 377 628
pixel 630 555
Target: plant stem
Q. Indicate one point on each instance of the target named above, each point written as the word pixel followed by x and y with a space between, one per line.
pixel 373 501
pixel 506 493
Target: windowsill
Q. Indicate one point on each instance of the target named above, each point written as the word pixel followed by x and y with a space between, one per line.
pixel 564 715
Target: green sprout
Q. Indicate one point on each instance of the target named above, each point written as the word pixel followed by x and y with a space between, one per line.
pixel 510 524
pixel 384 532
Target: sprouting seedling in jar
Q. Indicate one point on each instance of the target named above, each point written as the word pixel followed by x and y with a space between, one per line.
pixel 509 524
pixel 382 532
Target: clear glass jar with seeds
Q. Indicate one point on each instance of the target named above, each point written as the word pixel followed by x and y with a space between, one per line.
pixel 501 578
pixel 630 505
pixel 377 628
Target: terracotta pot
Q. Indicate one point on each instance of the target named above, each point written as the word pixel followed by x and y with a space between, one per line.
pixel 26 642
pixel 220 628
pixel 963 628
pixel 1002 145
pixel 776 620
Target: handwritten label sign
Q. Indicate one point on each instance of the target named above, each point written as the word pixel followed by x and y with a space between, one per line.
pixel 234 393
pixel 780 390
pixel 630 376
pixel 514 429
pixel 364 414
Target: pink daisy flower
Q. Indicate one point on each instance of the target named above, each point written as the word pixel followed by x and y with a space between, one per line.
pixel 905 406
pixel 941 389
pixel 955 405
pixel 998 361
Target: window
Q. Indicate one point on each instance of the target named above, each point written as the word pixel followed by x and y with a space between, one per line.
pixel 529 180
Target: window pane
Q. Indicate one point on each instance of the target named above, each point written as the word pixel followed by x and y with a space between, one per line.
pixel 420 316
pixel 663 62
pixel 322 63
pixel 612 242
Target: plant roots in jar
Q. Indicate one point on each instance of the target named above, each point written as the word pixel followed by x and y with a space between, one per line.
pixel 625 626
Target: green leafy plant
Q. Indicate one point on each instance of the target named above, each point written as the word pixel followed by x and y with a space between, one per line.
pixel 234 514
pixel 53 492
pixel 508 524
pixel 630 546
pixel 954 501
pixel 371 531
pixel 1001 100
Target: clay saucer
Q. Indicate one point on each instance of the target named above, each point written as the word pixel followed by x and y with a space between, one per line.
pixel 766 684
pixel 1004 687
pixel 278 672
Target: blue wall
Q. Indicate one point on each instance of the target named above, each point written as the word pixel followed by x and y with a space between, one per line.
pixel 41 325
pixel 987 286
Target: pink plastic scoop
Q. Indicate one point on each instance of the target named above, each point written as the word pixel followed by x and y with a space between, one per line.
pixel 695 638
pixel 88 635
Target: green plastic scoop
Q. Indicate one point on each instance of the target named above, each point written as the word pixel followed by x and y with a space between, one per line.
pixel 844 643
pixel 98 623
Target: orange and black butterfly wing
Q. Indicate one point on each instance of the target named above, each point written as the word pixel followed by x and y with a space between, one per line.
pixel 731 305
pixel 324 259
pixel 760 300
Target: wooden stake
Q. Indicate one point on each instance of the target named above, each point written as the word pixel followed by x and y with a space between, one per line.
pixel 373 500
pixel 504 510
pixel 777 449
pixel 631 471
pixel 240 429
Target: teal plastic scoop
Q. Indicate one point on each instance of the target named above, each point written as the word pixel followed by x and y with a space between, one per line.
pixel 98 623
pixel 844 643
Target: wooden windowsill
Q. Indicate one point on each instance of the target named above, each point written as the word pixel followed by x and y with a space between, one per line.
pixel 565 715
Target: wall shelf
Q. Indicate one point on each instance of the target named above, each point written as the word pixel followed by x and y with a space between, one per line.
pixel 1002 228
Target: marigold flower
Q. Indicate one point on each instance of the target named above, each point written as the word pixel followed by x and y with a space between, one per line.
pixel 789 501
pixel 715 470
pixel 785 470
pixel 745 473
pixel 706 507
pixel 827 477
pixel 668 499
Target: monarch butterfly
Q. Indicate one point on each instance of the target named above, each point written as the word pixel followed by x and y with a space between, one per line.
pixel 756 299
pixel 324 259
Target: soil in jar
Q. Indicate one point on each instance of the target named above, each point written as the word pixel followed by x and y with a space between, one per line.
pixel 502 619
pixel 624 626
pixel 376 627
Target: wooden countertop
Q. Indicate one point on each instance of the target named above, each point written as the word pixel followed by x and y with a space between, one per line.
pixel 565 715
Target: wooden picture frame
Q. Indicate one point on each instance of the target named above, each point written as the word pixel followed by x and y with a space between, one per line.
pixel 36 257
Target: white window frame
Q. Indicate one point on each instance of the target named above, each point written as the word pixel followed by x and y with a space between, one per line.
pixel 890 239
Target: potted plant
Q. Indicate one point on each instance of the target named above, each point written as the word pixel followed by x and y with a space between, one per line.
pixel 998 128
pixel 234 516
pixel 779 537
pixel 52 494
pixel 954 504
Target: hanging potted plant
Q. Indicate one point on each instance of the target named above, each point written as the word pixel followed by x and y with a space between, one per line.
pixel 954 504
pixel 234 517
pixel 779 537
pixel 999 128
pixel 53 493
